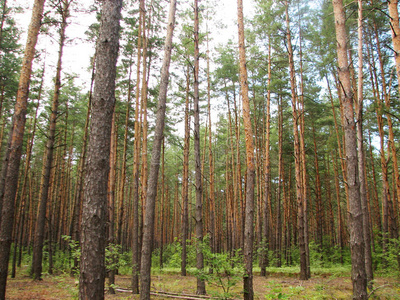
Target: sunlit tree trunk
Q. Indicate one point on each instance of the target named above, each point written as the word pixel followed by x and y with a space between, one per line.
pixel 361 155
pixel 249 204
pixel 357 245
pixel 16 138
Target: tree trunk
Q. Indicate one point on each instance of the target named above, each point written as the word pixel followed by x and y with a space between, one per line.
pixel 185 178
pixel 249 206
pixel 357 245
pixel 92 267
pixel 212 228
pixel 201 286
pixel 361 155
pixel 298 157
pixel 148 225
pixel 111 204
pixel 121 194
pixel 267 174
pixel 15 145
pixel 136 168
pixel 48 159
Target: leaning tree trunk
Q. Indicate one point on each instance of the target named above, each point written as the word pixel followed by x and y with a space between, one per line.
pixel 93 238
pixel 249 207
pixel 358 274
pixel 148 225
pixel 15 145
pixel 48 158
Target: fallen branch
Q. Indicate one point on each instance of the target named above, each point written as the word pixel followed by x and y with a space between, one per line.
pixel 377 288
pixel 174 295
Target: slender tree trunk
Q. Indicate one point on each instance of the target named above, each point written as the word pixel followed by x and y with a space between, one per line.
pixel 212 228
pixel 249 207
pixel 185 178
pixel 77 208
pixel 121 194
pixel 361 155
pixel 318 201
pixel 111 203
pixel 92 267
pixel 303 157
pixel 23 211
pixel 267 174
pixel 47 164
pixel 136 168
pixel 357 245
pixel 298 158
pixel 201 286
pixel 15 145
pixel 3 18
pixel 148 228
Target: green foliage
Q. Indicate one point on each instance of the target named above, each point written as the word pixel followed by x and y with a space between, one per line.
pixel 224 270
pixel 115 259
pixel 172 254
pixel 387 261
pixel 73 246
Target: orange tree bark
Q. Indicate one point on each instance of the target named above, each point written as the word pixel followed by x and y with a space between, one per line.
pixel 148 225
pixel 300 190
pixel 93 238
pixel 358 274
pixel 249 206
pixel 15 146
pixel 395 29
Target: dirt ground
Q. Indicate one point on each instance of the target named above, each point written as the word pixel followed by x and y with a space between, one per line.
pixel 275 286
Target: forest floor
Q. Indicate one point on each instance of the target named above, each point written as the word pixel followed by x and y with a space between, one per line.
pixel 274 286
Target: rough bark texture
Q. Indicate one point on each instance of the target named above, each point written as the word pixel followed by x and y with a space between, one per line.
pixel 361 156
pixel 148 225
pixel 358 274
pixel 93 239
pixel 249 207
pixel 201 285
pixel 15 145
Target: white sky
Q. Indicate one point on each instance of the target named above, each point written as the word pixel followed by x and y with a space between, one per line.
pixel 77 53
